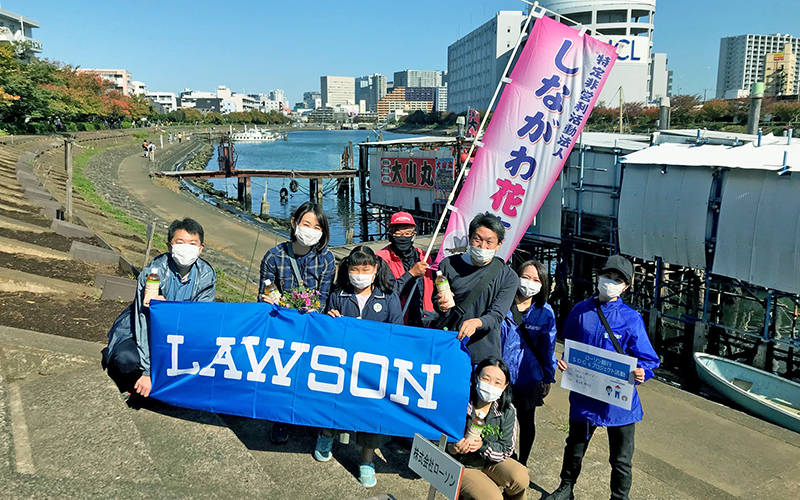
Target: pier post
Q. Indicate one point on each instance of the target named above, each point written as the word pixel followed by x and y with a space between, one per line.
pixel 244 195
pixel 755 108
pixel 363 169
pixel 264 203
pixel 312 190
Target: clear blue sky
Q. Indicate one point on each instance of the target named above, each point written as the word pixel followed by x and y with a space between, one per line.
pixel 256 46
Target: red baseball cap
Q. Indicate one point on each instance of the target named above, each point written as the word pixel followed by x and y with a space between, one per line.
pixel 402 218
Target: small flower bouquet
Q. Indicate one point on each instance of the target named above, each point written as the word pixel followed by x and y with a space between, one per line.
pixel 301 298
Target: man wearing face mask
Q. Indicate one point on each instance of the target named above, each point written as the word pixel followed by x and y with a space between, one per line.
pixel 183 276
pixel 585 324
pixel 407 266
pixel 483 288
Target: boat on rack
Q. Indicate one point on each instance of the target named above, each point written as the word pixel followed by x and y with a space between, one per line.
pixel 771 397
pixel 254 134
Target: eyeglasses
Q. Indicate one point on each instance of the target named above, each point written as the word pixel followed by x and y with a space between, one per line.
pixel 404 233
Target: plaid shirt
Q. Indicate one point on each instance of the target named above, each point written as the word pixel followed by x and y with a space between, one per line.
pixel 316 268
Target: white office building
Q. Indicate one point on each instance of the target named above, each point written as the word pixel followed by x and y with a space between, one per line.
pixel 475 62
pixel 338 90
pixel 660 78
pixel 415 78
pixel 188 98
pixel 138 88
pixel 166 100
pixel 620 22
pixel 742 59
pixel 18 28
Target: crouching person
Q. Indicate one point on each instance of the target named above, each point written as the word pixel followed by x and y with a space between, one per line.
pixel 183 276
pixel 487 457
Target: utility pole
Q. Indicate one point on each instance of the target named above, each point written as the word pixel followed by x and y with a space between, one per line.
pixel 68 167
pixel 620 109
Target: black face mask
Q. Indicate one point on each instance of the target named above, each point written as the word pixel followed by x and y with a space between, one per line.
pixel 402 244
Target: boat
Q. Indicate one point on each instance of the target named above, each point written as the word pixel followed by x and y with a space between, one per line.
pixel 769 396
pixel 254 134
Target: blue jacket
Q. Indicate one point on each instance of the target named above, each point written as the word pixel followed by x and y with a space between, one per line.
pixel 135 319
pixel 584 325
pixel 381 307
pixel 523 363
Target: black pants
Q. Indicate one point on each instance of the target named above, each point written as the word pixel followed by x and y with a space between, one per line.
pixel 527 433
pixel 123 365
pixel 620 444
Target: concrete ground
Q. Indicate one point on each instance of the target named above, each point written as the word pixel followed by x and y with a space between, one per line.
pixel 66 433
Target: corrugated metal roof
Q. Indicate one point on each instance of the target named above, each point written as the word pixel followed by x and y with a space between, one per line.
pixel 749 156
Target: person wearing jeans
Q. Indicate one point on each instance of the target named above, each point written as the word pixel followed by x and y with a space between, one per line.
pixel 585 324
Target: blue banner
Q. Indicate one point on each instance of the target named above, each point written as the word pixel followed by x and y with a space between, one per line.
pixel 268 362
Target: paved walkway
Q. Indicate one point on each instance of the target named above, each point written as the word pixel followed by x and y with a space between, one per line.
pixel 224 231
pixel 66 433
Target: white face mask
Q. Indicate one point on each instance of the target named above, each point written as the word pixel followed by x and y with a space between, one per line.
pixel 481 256
pixel 306 236
pixel 185 254
pixel 361 281
pixel 609 288
pixel 488 392
pixel 529 288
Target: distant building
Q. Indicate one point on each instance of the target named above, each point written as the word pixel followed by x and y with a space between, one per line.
pixel 409 100
pixel 166 100
pixel 241 102
pixel 337 90
pixel 138 88
pixel 414 78
pixel 208 105
pixel 120 78
pixel 279 96
pixel 629 23
pixel 18 28
pixel 312 99
pixel 188 98
pixel 377 91
pixel 742 62
pixel 476 61
pixel 779 79
pixel 660 78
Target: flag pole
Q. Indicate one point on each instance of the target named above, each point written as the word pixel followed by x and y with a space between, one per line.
pixel 504 79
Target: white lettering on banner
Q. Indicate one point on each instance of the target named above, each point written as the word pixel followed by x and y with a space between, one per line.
pixel 174 371
pixel 364 357
pixel 225 357
pixel 275 345
pixel 404 374
pixel 322 350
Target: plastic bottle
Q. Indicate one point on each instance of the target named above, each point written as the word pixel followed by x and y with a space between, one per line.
pixel 151 286
pixel 476 426
pixel 271 291
pixel 443 287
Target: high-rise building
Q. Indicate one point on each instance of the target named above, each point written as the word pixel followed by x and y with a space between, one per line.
pixel 476 61
pixel 414 78
pixel 742 62
pixel 17 28
pixel 401 99
pixel 337 90
pixel 778 77
pixel 376 92
pixel 660 78
pixel 628 23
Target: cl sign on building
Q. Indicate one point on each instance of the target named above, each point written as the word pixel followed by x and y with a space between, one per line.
pixel 633 49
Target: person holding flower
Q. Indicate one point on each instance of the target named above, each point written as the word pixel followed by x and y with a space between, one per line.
pixel 363 291
pixel 304 263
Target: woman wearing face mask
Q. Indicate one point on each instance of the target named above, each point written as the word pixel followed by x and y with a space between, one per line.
pixel 585 324
pixel 305 259
pixel 487 459
pixel 363 291
pixel 529 338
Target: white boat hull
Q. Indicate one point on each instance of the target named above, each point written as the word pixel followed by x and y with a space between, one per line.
pixel 771 397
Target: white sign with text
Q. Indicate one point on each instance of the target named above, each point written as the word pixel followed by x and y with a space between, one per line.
pixel 442 471
pixel 599 374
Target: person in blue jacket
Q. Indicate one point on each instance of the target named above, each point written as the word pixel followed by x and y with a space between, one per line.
pixel 586 414
pixel 363 291
pixel 528 333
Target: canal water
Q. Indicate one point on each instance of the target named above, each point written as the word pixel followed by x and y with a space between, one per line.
pixel 305 150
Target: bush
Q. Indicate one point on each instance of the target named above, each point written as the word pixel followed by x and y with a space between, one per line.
pixel 140 134
pixel 42 127
pixel 127 124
